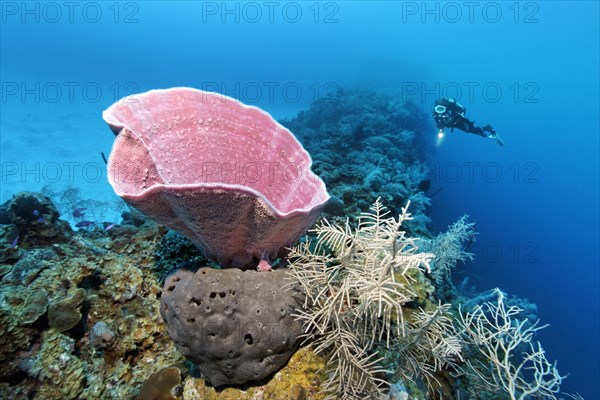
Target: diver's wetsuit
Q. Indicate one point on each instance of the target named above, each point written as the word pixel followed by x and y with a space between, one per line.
pixel 451 115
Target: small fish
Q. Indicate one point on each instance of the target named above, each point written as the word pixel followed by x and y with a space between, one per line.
pixel 39 220
pixel 13 244
pixel 79 212
pixel 83 224
pixel 108 227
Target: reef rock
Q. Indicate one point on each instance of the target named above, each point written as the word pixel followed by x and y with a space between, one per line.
pixel 236 326
pixel 36 219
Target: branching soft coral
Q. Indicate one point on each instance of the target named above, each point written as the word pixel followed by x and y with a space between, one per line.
pixel 431 344
pixel 357 283
pixel 508 361
pixel 449 248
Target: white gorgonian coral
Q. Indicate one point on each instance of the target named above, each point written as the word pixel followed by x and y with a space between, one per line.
pixel 357 283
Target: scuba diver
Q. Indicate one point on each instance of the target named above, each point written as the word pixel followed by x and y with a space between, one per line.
pixel 448 113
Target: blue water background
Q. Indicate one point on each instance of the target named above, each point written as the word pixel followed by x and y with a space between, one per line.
pixel 531 71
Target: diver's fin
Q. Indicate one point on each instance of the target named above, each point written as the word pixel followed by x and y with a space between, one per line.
pixel 498 139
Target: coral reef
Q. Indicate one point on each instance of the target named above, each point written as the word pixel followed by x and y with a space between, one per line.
pixel 80 310
pixel 60 372
pixel 366 145
pixel 119 340
pixel 9 237
pixel 53 296
pixel 35 218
